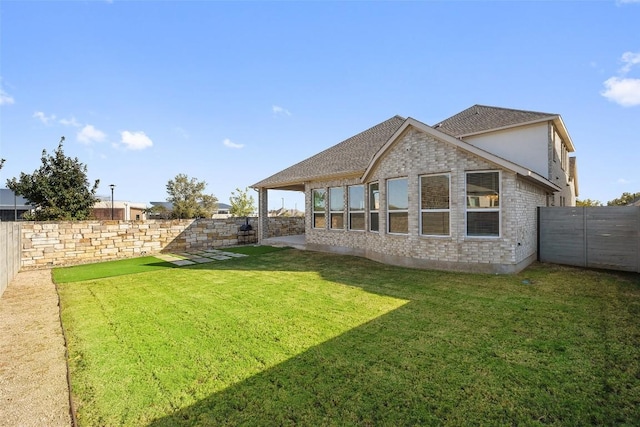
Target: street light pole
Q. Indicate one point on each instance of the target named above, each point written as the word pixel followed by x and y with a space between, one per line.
pixel 112 186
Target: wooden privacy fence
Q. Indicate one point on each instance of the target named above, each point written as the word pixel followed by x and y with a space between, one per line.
pixel 10 245
pixel 597 237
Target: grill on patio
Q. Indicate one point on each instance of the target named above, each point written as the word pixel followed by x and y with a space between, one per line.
pixel 246 234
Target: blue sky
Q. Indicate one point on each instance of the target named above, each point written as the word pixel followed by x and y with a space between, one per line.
pixel 233 92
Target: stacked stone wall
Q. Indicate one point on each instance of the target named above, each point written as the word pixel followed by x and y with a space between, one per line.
pixel 46 244
pixel 285 226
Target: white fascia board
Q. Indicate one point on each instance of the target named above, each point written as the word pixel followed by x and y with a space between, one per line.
pixel 517 125
pixel 557 120
pixel 565 133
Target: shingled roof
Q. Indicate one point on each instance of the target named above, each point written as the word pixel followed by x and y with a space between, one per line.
pixel 481 118
pixel 351 157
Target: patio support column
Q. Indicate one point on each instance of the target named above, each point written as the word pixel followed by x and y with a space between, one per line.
pixel 263 214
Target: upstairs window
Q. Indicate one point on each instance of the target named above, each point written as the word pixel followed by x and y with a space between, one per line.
pixel 435 205
pixel 356 207
pixel 319 202
pixel 397 206
pixel 336 207
pixel 483 204
pixel 374 206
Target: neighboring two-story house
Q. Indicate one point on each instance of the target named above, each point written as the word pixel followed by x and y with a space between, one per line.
pixel 461 195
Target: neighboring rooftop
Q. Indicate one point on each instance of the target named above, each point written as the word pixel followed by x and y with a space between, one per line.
pixel 8 200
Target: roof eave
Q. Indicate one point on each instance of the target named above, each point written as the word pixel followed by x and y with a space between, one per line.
pixel 559 123
pixel 300 185
pixel 512 126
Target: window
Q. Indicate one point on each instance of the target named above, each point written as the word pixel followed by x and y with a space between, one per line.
pixel 483 204
pixel 434 205
pixel 398 206
pixel 336 207
pixel 319 201
pixel 374 206
pixel 356 207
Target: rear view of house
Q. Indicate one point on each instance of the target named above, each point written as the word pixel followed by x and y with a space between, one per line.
pixel 461 195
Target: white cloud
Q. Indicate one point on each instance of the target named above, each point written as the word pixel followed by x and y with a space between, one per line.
pixel 627 1
pixel 70 122
pixel 623 181
pixel 279 111
pixel 227 143
pixel 623 91
pixel 135 140
pixel 630 59
pixel 43 117
pixel 5 98
pixel 90 134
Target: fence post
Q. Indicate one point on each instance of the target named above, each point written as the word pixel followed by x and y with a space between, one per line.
pixel 538 213
pixel 638 238
pixel 586 236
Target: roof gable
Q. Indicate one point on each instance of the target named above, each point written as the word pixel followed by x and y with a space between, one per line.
pixel 350 157
pixel 482 118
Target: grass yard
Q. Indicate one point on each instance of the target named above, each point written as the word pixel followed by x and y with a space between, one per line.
pixel 304 338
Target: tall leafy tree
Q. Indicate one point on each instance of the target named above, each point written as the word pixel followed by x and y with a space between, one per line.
pixel 242 203
pixel 59 189
pixel 188 198
pixel 588 202
pixel 624 199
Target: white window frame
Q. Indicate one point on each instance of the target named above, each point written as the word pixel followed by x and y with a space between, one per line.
pixel 429 210
pixel 497 209
pixel 333 211
pixel 313 208
pixel 370 203
pixel 397 211
pixel 360 210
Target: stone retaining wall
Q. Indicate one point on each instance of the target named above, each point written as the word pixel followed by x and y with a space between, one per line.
pixel 46 244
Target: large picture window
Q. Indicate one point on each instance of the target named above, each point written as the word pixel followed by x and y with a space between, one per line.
pixel 319 202
pixel 397 206
pixel 374 206
pixel 356 207
pixel 434 205
pixel 483 204
pixel 336 207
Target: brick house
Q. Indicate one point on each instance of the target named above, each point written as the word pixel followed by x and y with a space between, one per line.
pixel 460 195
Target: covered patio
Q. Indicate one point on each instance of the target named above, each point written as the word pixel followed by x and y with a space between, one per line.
pixel 297 241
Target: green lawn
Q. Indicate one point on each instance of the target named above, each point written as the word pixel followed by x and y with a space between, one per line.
pixel 121 267
pixel 304 338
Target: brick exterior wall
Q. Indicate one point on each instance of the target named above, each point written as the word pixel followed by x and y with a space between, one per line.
pixel 417 154
pixel 46 244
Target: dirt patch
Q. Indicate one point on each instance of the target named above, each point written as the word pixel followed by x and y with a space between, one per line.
pixel 33 370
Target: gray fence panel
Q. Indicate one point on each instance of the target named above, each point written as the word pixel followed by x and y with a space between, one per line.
pixel 612 236
pixel 561 236
pixel 597 237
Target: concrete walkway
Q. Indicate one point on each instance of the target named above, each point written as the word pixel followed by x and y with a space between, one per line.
pixel 33 369
pixel 297 241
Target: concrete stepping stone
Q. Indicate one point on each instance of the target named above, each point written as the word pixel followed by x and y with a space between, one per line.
pixel 182 262
pixel 233 254
pixel 201 260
